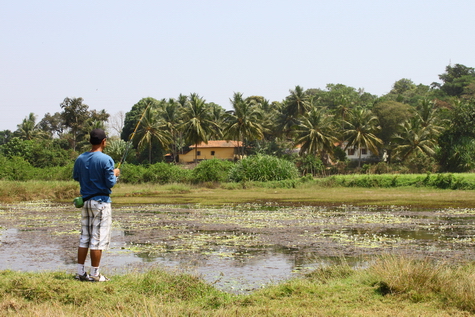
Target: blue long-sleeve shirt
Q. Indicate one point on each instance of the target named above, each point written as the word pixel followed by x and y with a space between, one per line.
pixel 95 173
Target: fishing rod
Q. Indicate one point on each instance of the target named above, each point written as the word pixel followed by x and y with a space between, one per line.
pixel 131 137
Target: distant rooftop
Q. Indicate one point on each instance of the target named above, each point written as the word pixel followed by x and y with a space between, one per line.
pixel 218 143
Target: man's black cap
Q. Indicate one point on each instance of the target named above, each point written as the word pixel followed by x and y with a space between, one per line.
pixel 97 135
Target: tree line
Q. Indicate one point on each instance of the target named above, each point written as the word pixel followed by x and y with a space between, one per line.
pixel 417 127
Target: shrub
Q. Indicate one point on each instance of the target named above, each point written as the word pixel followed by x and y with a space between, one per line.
pixel 160 173
pixel 15 169
pixel 117 149
pixel 310 165
pixel 55 173
pixel 46 153
pixel 164 173
pixel 212 171
pixel 39 153
pixel 17 147
pixel 262 168
pixel 132 174
pixel 421 164
pixel 380 168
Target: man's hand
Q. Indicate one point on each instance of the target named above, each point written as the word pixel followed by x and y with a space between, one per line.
pixel 117 172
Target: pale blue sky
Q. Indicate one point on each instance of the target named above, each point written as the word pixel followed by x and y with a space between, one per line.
pixel 113 53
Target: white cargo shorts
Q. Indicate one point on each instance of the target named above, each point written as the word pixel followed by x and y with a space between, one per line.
pixel 96 223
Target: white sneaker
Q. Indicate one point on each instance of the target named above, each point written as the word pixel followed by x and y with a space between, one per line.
pixel 84 278
pixel 98 278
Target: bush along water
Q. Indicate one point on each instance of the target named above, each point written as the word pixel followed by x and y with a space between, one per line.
pixel 18 169
pixel 443 181
pixel 159 173
pixel 267 170
pixel 263 168
pixel 212 171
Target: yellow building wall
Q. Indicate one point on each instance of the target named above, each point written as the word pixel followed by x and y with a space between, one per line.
pixel 226 153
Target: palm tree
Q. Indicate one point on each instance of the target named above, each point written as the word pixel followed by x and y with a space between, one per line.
pixel 269 118
pixel 217 114
pixel 285 122
pixel 197 124
pixel 418 135
pixel 171 115
pixel 243 122
pixel 360 130
pixel 343 108
pixel 294 106
pixel 297 102
pixel 316 133
pixel 414 138
pixel 152 128
pixel 428 116
pixel 29 130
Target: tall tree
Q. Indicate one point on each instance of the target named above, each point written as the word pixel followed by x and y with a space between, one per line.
pixel 5 136
pixel 457 142
pixel 402 86
pixel 428 114
pixel 197 124
pixel 413 139
pixel 217 114
pixel 74 115
pixel 455 79
pixel 28 129
pixel 391 115
pixel 360 131
pixel 337 95
pixel 171 115
pixel 344 106
pixel 243 123
pixel 285 122
pixel 316 133
pixel 52 124
pixel 152 128
pixel 297 102
pixel 133 116
pixel 77 117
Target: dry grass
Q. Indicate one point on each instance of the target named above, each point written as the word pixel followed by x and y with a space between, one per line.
pixel 306 194
pixel 11 191
pixel 392 286
pixel 421 279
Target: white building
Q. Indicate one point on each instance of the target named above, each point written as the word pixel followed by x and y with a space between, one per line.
pixel 354 154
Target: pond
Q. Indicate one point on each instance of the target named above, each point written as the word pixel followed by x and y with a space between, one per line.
pixel 237 248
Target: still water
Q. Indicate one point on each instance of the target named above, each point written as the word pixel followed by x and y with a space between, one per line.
pixel 237 248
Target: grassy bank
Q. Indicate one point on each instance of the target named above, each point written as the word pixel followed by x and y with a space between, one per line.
pixel 314 192
pixel 392 286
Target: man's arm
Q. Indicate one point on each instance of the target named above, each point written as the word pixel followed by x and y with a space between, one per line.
pixel 111 174
pixel 76 172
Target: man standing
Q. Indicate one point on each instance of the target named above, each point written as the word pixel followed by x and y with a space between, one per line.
pixel 96 175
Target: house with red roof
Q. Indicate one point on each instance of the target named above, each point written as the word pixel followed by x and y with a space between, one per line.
pixel 219 149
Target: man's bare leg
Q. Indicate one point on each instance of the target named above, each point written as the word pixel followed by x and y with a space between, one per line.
pixel 82 254
pixel 95 257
